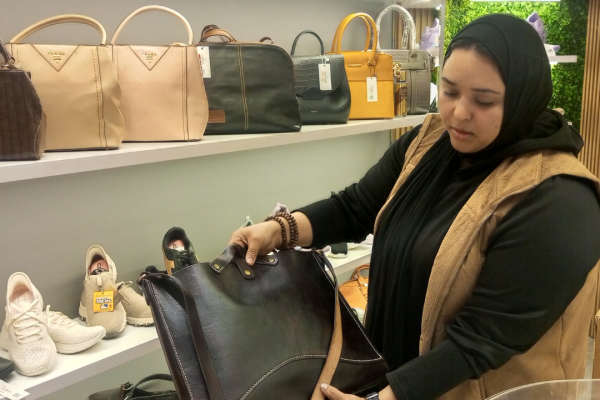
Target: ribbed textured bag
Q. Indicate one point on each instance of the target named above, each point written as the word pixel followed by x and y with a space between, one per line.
pixel 22 121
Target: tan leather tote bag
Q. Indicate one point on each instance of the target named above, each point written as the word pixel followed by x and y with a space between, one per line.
pixel 77 86
pixel 370 74
pixel 163 89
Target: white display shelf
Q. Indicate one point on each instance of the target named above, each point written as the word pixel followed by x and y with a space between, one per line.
pixel 355 258
pixel 134 342
pixel 63 163
pixel 562 59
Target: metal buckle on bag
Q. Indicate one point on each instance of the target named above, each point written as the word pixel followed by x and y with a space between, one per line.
pixel 372 63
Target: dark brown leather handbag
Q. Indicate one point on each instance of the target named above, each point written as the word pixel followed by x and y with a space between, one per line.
pixel 22 121
pixel 275 330
pixel 249 85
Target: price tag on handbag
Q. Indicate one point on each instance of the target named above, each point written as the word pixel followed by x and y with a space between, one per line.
pixel 104 301
pixel 11 392
pixel 325 76
pixel 371 89
pixel 204 56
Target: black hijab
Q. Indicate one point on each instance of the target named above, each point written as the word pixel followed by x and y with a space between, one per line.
pixel 527 125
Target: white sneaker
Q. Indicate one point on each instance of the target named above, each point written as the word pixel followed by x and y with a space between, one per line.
pixel 71 337
pixel 26 325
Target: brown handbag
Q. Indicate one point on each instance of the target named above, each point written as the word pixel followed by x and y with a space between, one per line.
pixel 22 121
pixel 355 290
pixel 163 90
pixel 77 86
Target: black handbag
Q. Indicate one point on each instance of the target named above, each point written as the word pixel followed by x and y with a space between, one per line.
pixel 250 86
pixel 128 391
pixel 22 121
pixel 322 99
pixel 270 331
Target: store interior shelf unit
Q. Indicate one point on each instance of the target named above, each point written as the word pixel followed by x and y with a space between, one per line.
pixel 63 163
pixel 562 59
pixel 134 342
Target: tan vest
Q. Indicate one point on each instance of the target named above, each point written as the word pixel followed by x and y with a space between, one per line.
pixel 561 352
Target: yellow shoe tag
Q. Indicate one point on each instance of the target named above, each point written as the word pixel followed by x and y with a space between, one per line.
pixel 104 301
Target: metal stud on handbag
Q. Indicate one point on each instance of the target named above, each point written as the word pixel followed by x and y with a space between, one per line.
pixel 275 330
pixel 416 63
pixel 82 109
pixel 322 86
pixel 22 121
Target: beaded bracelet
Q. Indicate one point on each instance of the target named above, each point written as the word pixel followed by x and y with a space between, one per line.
pixel 283 232
pixel 294 234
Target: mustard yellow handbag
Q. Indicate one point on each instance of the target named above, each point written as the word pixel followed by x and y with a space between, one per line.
pixel 77 86
pixel 370 74
pixel 163 89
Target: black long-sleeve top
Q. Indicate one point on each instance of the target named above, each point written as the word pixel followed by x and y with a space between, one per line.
pixel 537 261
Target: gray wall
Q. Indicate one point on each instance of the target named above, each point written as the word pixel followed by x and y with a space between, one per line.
pixel 48 224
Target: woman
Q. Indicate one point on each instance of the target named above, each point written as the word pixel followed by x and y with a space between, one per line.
pixel 487 230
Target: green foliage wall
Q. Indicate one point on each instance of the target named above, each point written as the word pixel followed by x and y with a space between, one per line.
pixel 566 25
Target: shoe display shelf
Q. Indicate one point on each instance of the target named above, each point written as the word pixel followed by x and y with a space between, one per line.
pixel 64 163
pixel 355 258
pixel 134 342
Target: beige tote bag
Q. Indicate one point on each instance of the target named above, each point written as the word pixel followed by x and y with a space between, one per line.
pixel 77 86
pixel 163 89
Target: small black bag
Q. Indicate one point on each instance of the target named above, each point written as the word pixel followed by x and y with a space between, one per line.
pixel 250 88
pixel 275 330
pixel 128 391
pixel 321 106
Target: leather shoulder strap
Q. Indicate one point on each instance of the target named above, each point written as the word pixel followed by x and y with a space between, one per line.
pixel 61 19
pixel 142 10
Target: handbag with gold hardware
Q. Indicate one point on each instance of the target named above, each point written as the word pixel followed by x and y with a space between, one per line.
pixel 417 64
pixel 163 90
pixel 22 121
pixel 369 73
pixel 355 290
pixel 77 86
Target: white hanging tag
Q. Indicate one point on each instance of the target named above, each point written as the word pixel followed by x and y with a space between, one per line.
pixel 325 76
pixel 371 89
pixel 11 392
pixel 204 56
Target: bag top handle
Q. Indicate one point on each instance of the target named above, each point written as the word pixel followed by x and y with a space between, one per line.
pixel 61 19
pixel 311 33
pixel 154 8
pixel 409 36
pixel 213 30
pixel 162 377
pixel 8 61
pixel 337 41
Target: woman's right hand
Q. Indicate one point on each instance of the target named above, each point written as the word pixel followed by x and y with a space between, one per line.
pixel 259 239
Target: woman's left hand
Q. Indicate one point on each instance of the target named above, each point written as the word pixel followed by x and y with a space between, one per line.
pixel 333 394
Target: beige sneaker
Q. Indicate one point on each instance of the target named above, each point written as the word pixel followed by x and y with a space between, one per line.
pixel 69 336
pixel 25 328
pixel 138 312
pixel 100 303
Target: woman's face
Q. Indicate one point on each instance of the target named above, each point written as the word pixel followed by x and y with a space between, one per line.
pixel 471 100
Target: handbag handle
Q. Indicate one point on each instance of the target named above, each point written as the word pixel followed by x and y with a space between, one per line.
pixel 61 19
pixel 357 271
pixel 311 33
pixel 154 8
pixel 337 47
pixel 409 36
pixel 8 61
pixel 337 41
pixel 213 30
pixel 162 377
